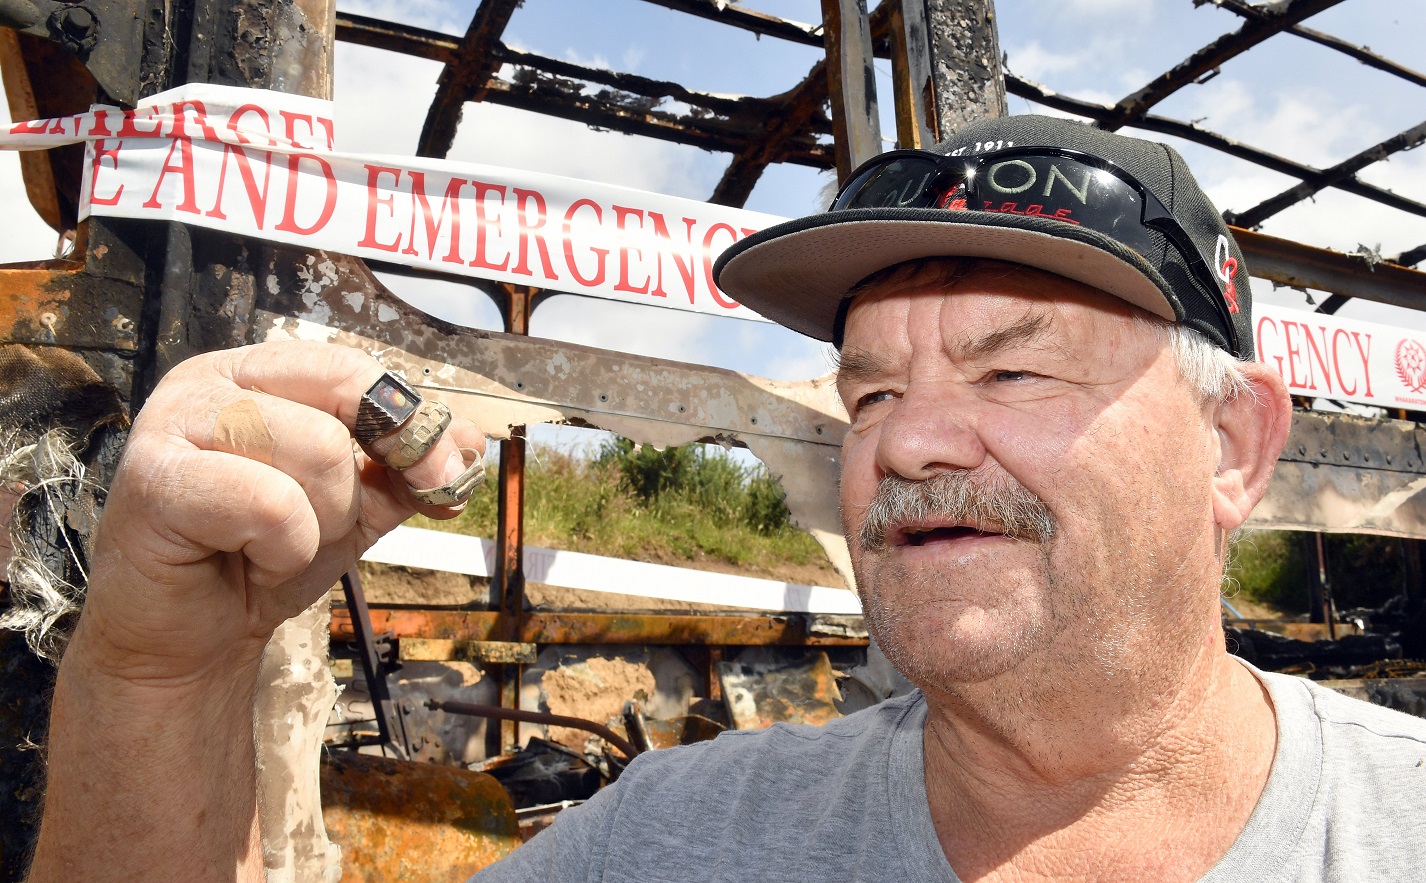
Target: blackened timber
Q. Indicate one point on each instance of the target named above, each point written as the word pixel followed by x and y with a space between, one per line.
pixel 1411 257
pixel 556 97
pixel 1199 135
pixel 635 84
pixel 794 116
pixel 964 57
pixel 1211 57
pixel 1352 50
pixel 746 19
pixel 396 37
pixel 851 83
pixel 1342 171
pixel 465 79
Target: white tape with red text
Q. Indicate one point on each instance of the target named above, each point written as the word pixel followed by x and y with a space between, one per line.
pixel 262 164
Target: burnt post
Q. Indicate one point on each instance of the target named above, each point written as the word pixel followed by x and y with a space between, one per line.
pixel 945 67
pixel 851 83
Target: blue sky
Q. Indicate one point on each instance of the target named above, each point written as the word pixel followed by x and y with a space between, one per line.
pixel 1288 96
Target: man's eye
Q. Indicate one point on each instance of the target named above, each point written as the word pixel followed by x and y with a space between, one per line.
pixel 873 398
pixel 1008 376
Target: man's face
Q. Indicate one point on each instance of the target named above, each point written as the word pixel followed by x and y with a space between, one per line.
pixel 1025 389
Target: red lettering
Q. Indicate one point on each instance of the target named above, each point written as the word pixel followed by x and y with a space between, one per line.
pixel 257 199
pixel 290 121
pixel 200 112
pixel 483 225
pixel 527 227
pixel 685 267
pixel 100 154
pixel 1293 352
pixel 56 127
pixel 30 127
pixel 601 253
pixel 718 296
pixel 1063 214
pixel 1337 361
pixel 621 215
pixel 451 201
pixel 130 128
pixel 373 186
pixel 235 123
pixel 1315 353
pixel 289 224
pixel 1366 353
pixel 184 168
pixel 1262 348
pixel 100 127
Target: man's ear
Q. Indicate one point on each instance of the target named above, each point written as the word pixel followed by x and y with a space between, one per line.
pixel 1252 429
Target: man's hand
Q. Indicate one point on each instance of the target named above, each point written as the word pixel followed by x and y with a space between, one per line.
pixel 239 501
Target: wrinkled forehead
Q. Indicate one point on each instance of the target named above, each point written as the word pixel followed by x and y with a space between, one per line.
pixel 972 300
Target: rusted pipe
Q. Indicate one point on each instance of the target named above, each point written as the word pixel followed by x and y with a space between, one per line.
pixel 536 717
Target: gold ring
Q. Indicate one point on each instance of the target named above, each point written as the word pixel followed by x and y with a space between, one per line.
pixel 418 435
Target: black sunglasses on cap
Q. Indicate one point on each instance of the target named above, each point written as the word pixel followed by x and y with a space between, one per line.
pixel 1046 182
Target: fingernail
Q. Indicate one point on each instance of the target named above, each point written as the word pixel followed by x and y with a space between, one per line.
pixel 454 467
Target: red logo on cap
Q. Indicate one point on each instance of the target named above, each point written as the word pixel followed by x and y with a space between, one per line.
pixel 1227 269
pixel 1411 364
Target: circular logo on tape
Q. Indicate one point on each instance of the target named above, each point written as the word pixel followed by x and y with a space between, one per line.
pixel 1411 364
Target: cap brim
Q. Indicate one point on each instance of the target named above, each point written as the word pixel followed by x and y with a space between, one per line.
pixel 797 273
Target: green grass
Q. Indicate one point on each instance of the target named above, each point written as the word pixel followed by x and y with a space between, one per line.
pixel 681 505
pixel 1271 568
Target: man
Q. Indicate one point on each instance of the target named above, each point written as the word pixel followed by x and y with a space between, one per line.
pixel 1055 429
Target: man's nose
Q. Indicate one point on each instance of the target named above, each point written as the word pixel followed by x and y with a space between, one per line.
pixel 928 431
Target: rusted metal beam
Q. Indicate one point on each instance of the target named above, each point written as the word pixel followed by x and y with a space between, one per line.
pixel 1199 135
pixel 396 37
pixel 1302 266
pixel 793 116
pixel 1329 177
pixel 467 78
pixel 1276 18
pixel 512 715
pixel 851 83
pixel 793 629
pixel 1352 50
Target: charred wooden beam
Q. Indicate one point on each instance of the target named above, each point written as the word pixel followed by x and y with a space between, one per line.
pixel 564 98
pixel 746 19
pixel 465 78
pixel 1352 50
pixel 1330 177
pixel 635 84
pixel 851 83
pixel 1275 19
pixel 793 117
pixel 396 37
pixel 1411 257
pixel 1199 135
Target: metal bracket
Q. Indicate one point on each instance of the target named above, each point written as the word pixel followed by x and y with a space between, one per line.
pixel 113 60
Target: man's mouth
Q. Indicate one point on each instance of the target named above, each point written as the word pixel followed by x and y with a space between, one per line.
pixel 920 536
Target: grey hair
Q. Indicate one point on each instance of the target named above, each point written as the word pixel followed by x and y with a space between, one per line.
pixel 1214 373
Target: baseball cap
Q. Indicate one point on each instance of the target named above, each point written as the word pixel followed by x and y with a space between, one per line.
pixel 1120 214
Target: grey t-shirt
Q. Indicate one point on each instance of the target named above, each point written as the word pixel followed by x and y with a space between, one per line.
pixel 1345 801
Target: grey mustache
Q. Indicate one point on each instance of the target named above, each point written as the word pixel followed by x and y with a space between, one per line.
pixel 996 504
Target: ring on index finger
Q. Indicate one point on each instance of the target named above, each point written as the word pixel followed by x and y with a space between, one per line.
pixel 384 408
